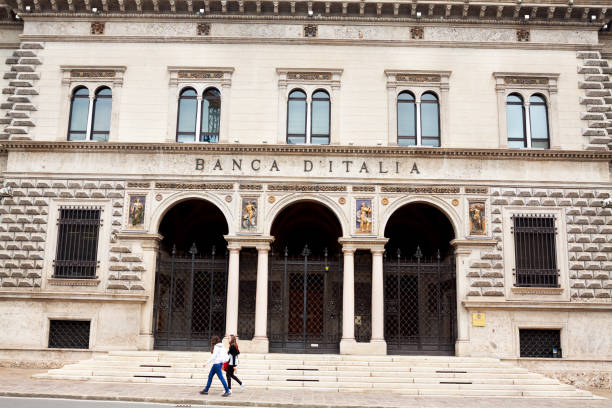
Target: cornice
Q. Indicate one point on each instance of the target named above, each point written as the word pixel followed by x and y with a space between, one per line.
pixel 533 305
pixel 184 148
pixel 74 296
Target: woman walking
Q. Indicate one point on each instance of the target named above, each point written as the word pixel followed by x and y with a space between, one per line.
pixel 218 357
pixel 232 363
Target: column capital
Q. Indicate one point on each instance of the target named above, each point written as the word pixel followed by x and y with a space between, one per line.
pixel 356 243
pixel 148 241
pixel 249 241
pixel 465 246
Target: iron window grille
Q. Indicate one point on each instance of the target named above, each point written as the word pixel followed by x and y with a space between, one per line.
pixel 72 334
pixel 535 250
pixel 77 243
pixel 540 343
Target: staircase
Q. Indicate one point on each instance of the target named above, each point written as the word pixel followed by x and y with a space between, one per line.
pixel 408 375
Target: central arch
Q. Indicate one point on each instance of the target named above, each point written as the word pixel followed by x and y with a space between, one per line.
pixel 419 281
pixel 305 280
pixel 191 277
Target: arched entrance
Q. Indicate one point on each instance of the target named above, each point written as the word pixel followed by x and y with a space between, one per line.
pixel 419 282
pixel 305 281
pixel 191 277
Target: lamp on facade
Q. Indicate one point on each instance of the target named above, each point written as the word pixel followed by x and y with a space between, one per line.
pixel 28 9
pixel 526 17
pixel 310 13
pixel 418 14
pixel 94 10
pixel 593 17
pixel 201 12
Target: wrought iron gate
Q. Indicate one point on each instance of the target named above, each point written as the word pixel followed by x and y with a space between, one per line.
pixel 420 305
pixel 305 303
pixel 190 298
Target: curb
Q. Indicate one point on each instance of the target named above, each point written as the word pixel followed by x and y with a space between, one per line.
pixel 177 401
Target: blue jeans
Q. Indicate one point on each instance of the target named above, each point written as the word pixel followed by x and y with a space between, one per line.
pixel 216 369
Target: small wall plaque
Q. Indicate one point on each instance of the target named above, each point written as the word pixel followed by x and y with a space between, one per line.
pixel 478 319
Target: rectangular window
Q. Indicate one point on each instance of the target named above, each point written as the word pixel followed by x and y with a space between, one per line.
pixel 535 250
pixel 540 343
pixel 77 243
pixel 72 334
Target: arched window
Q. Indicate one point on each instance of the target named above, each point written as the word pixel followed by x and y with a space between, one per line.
pixel 430 120
pixel 211 114
pixel 515 121
pixel 79 114
pixel 296 117
pixel 406 119
pixel 187 115
pixel 320 118
pixel 538 122
pixel 101 116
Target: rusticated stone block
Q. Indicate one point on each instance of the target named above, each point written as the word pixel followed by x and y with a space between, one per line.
pixel 117 285
pixel 493 293
pixel 129 276
pixel 480 264
pixel 9 283
pixel 533 202
pixel 118 268
pixel 564 202
pixel 524 193
pixel 136 287
pixel 601 275
pixel 588 211
pixel 602 295
pixel 473 274
pixel 592 266
pixel 491 255
pixel 499 201
pixel 138 268
pixel 481 284
pixel 120 249
pixel 81 194
pixel 587 193
pixel 131 258
pixel 474 293
pixel 549 202
pixel 578 285
pixel 97 194
pixel 580 202
pixel 587 294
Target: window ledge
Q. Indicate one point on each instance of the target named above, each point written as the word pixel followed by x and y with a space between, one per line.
pixel 73 282
pixel 536 291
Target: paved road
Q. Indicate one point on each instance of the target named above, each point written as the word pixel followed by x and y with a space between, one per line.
pixel 10 402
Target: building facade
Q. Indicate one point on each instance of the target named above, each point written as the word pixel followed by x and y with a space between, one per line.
pixel 341 177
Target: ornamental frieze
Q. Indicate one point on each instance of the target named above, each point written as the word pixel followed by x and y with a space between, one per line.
pixel 194 186
pixel 306 187
pixel 509 80
pixel 421 189
pixel 417 78
pixel 200 75
pixel 309 76
pixel 92 74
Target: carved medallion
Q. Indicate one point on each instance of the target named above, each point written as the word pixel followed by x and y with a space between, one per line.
pixel 384 201
pixel 97 28
pixel 416 33
pixel 158 197
pixel 228 198
pixel 271 199
pixel 522 35
pixel 455 202
pixel 203 29
pixel 310 30
pixel 342 200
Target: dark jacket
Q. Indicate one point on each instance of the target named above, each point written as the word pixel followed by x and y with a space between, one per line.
pixel 233 355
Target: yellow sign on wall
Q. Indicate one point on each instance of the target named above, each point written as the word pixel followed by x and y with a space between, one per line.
pixel 478 319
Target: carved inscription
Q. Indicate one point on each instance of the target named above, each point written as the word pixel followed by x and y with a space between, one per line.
pixel 476 190
pixel 310 76
pixel 195 186
pixel 200 74
pixel 367 189
pixel 417 78
pixel 421 189
pixel 77 73
pixel 132 184
pixel 251 187
pixel 306 187
pixel 525 81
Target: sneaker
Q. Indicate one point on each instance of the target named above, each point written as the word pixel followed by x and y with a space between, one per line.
pixel 242 387
pixel 227 394
pixel 204 392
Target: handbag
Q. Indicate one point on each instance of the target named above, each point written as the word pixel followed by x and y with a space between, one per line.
pixel 224 366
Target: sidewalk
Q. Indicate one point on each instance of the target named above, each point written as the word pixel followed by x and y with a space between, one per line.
pixel 17 382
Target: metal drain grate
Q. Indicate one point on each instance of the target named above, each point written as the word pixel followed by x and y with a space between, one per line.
pixel 73 334
pixel 455 382
pixel 303 369
pixel 155 366
pixel 451 372
pixel 298 379
pixel 150 376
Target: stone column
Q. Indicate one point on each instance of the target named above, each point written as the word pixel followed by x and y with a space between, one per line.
pixel 260 339
pixel 149 244
pixel 233 282
pixel 348 301
pixel 378 311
